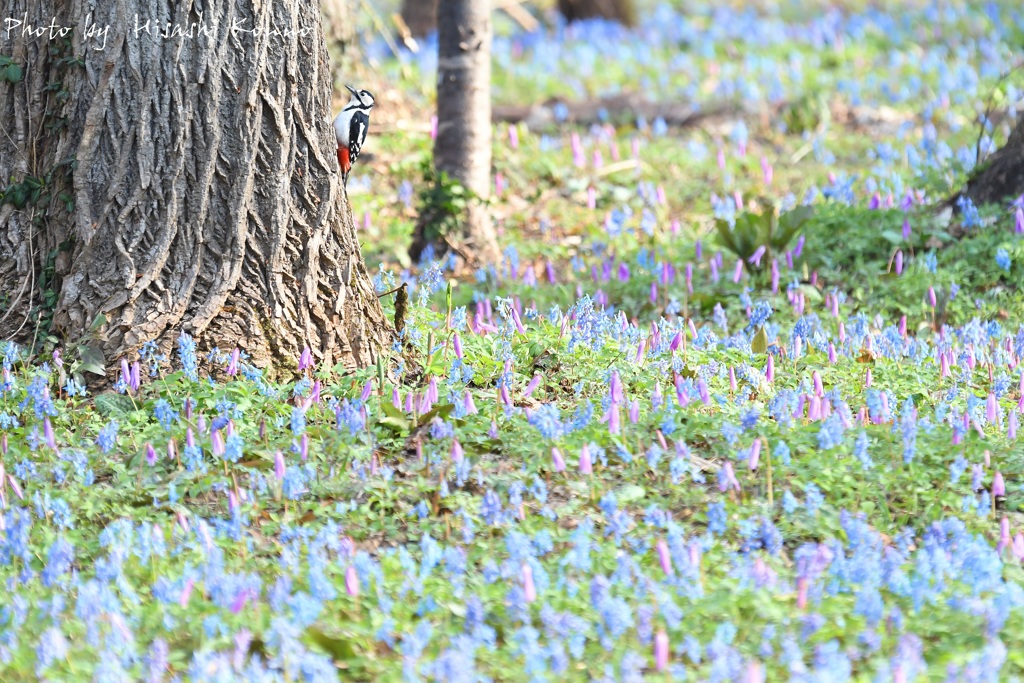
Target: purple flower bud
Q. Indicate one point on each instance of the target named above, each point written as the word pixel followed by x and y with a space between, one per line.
pixel 755 454
pixel 831 353
pixel 457 452
pixel 304 446
pixel 1011 426
pixel 769 370
pixel 306 359
pixel 738 271
pixel 634 411
pixel 532 386
pixel 991 408
pixel 998 485
pixel 615 387
pixel 931 297
pixel 818 388
pixel 457 343
pixel 218 444
pixel 467 403
pixel 233 364
pixel 150 455
pixel 559 461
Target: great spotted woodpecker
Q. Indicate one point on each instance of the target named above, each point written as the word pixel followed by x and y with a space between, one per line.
pixel 350 128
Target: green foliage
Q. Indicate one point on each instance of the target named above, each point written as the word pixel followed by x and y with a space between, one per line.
pixel 768 229
pixel 443 202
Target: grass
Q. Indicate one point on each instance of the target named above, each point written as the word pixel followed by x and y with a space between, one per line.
pixel 841 519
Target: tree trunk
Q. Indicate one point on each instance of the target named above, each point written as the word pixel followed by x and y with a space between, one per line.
pixel 622 11
pixel 420 16
pixel 340 33
pixel 1001 176
pixel 191 184
pixel 462 149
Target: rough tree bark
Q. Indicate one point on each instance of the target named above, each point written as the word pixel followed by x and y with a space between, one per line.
pixel 1001 176
pixel 204 193
pixel 462 148
pixel 622 11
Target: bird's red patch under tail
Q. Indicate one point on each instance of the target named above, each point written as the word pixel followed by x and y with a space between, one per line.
pixel 345 161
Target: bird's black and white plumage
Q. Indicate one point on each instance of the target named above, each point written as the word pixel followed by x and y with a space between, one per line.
pixel 350 127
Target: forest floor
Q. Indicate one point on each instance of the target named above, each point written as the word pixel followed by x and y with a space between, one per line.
pixel 740 403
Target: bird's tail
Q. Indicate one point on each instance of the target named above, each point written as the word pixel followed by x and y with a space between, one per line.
pixel 345 161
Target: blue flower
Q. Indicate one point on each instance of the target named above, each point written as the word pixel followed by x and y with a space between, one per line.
pixel 1003 259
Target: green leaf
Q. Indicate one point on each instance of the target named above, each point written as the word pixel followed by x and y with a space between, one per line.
pixel 440 411
pixel 630 493
pixel 113 405
pixel 99 322
pixel 759 344
pixel 14 73
pixel 339 647
pixel 92 360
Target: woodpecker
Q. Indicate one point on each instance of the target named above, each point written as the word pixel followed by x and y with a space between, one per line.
pixel 350 128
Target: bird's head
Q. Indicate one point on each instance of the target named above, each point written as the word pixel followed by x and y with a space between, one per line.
pixel 363 98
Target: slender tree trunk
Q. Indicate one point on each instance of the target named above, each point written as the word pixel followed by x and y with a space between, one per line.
pixel 462 149
pixel 622 11
pixel 1001 176
pixel 420 16
pixel 190 184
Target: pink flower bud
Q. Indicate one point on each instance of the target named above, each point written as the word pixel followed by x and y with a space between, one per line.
pixel 529 589
pixel 586 466
pixel 664 558
pixel 661 651
pixel 614 426
pixel 351 581
pixel 279 465
pixel 1004 534
pixel 457 452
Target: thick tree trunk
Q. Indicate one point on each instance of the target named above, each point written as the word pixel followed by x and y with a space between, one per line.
pixel 462 149
pixel 1001 176
pixel 622 11
pixel 202 193
pixel 420 16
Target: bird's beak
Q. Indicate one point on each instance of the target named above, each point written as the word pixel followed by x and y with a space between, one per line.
pixel 352 90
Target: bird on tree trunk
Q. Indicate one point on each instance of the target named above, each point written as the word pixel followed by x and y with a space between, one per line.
pixel 350 128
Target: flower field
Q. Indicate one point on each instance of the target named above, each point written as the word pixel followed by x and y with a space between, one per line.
pixel 740 403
